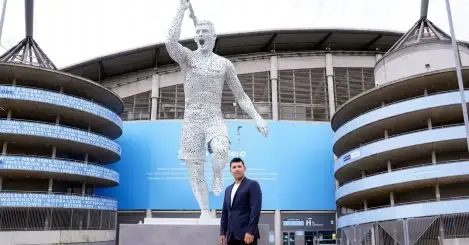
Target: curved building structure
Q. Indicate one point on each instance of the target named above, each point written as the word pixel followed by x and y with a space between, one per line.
pixel 402 165
pixel 57 132
pixel 295 78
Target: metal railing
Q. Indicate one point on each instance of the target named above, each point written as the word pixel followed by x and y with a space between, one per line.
pixel 58 92
pixel 403 168
pixel 430 230
pixel 402 134
pixel 42 219
pixel 105 139
pixel 58 125
pixel 56 193
pixel 380 106
pixel 354 211
pixel 56 158
pixel 70 166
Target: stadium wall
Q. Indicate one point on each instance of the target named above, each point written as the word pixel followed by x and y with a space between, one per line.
pixel 294 161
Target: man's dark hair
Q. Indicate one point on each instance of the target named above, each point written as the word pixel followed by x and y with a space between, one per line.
pixel 236 159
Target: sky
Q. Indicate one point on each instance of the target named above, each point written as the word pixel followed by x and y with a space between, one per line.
pixel 73 31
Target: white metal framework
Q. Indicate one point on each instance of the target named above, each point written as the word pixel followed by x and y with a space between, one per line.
pixel 27 51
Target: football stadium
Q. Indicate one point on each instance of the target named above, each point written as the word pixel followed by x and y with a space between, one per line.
pixel 367 143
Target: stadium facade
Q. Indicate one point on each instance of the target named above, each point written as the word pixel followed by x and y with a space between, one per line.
pixel 366 146
pixel 57 132
pixel 402 166
pixel 296 79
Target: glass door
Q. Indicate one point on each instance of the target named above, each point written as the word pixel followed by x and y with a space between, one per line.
pixel 288 238
pixel 325 237
pixel 309 238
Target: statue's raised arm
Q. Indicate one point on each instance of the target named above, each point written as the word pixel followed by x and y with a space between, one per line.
pixel 243 100
pixel 176 51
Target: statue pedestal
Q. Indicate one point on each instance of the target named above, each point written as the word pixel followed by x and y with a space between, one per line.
pixel 181 221
pixel 177 231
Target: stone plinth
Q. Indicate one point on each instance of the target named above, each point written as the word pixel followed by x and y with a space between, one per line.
pixel 175 231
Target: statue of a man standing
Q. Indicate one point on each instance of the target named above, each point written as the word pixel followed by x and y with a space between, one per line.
pixel 204 76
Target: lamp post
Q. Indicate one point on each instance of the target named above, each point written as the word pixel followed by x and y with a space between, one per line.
pixel 457 61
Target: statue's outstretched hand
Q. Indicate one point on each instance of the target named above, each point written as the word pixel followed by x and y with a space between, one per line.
pixel 184 4
pixel 262 127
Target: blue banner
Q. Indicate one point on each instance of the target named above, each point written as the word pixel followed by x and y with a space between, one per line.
pixel 38 95
pixel 56 201
pixel 57 166
pixel 294 166
pixel 59 132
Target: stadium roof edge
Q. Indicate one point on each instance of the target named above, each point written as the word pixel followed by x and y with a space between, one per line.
pixel 239 43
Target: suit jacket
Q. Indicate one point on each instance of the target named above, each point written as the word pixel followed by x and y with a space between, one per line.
pixel 243 216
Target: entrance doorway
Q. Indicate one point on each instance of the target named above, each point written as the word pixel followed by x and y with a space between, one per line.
pixel 289 238
pixel 318 238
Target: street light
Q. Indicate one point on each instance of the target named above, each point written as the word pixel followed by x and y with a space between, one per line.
pixel 457 60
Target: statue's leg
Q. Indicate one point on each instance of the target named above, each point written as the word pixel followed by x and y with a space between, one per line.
pixel 219 147
pixel 199 186
pixel 193 153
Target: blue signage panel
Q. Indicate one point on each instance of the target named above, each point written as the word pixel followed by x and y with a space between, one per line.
pixel 59 132
pixel 56 201
pixel 294 166
pixel 57 166
pixel 38 95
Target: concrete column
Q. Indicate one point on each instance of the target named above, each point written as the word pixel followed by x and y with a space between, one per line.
pixel 9 115
pixel 83 188
pixel 54 152
pixel 61 89
pixel 373 238
pixel 442 232
pixel 86 157
pixel 148 214
pixel 389 166
pixel 363 174
pixel 88 219
pixel 46 222
pixel 365 205
pixel 386 134
pixel 391 198
pixel 1 182
pixel 437 192
pixel 377 58
pixel 274 85
pixel 155 94
pixel 14 81
pixel 375 231
pixel 406 232
pixel 278 227
pixel 429 122
pixel 433 157
pixel 5 147
pixel 51 184
pixel 425 92
pixel 330 84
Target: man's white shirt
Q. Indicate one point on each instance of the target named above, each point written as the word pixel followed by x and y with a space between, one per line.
pixel 233 192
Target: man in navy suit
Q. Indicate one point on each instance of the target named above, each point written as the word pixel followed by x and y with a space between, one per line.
pixel 242 206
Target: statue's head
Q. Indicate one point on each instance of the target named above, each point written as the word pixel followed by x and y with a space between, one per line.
pixel 205 35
